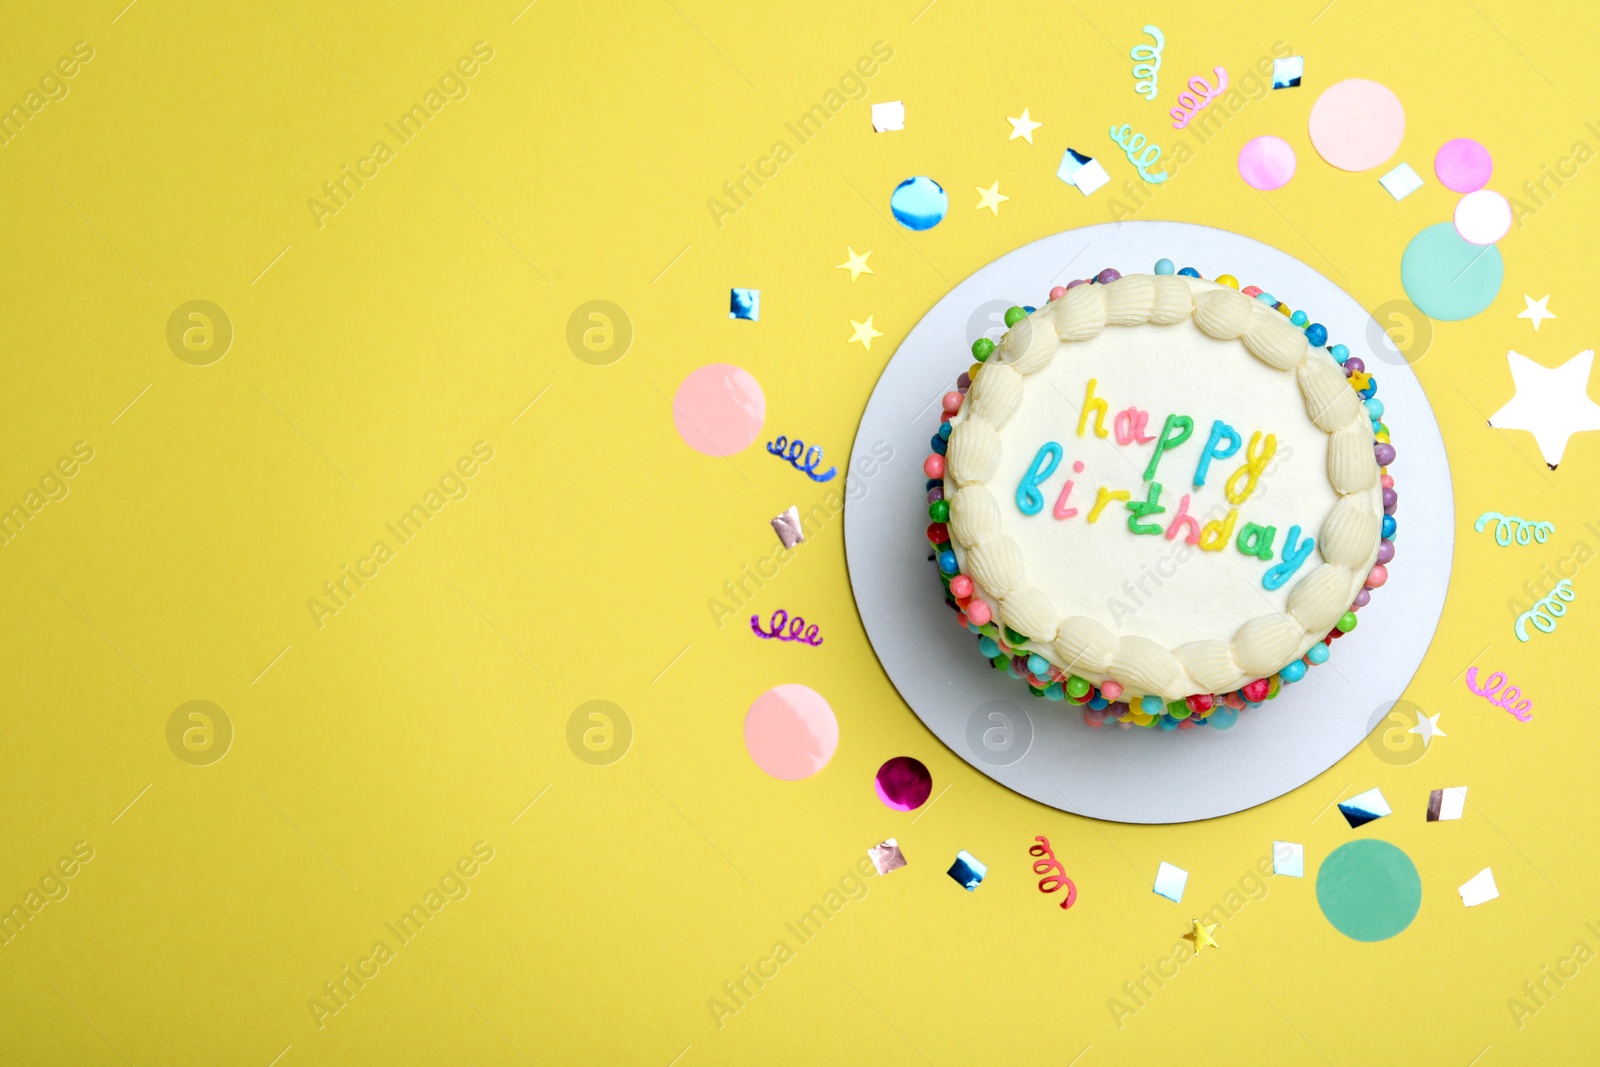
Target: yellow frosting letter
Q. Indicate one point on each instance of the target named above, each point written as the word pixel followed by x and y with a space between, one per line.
pixel 1106 496
pixel 1254 464
pixel 1098 406
pixel 1214 534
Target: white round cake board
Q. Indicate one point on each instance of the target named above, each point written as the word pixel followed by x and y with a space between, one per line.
pixel 1043 749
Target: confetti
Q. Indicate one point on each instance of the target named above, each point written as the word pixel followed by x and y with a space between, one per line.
pixel 1286 73
pixel 1198 98
pixel 863 333
pixel 788 527
pixel 1537 311
pixel 1483 217
pixel 1147 62
pixel 1357 124
pixel 1170 881
pixel 1055 876
pixel 1550 402
pixel 791 732
pixel 1448 278
pixel 798 631
pixel 745 304
pixel 1201 935
pixel 1401 182
pixel 1463 165
pixel 718 409
pixel 1546 610
pixel 1360 810
pixel 967 871
pixel 1289 858
pixel 1479 888
pixel 919 203
pixel 903 783
pixel 990 198
pixel 793 450
pixel 1130 143
pixel 1521 710
pixel 887 856
pixel 888 117
pixel 1266 163
pixel 856 265
pixel 1447 804
pixel 1023 127
pixel 1524 531
pixel 1427 728
pixel 1369 890
pixel 1082 172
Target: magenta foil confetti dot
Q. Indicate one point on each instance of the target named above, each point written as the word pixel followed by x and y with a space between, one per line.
pixel 887 856
pixel 904 783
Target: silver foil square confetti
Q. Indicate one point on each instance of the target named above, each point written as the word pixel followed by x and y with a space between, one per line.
pixel 1360 810
pixel 1444 804
pixel 788 527
pixel 887 856
pixel 967 870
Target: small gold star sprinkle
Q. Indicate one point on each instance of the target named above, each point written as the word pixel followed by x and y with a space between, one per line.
pixel 1201 935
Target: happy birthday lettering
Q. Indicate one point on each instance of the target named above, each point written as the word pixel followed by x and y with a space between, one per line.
pixel 1221 443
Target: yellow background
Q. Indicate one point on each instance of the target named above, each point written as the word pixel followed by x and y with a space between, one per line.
pixel 369 754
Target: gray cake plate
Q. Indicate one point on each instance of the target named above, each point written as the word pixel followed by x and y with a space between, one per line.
pixel 1043 749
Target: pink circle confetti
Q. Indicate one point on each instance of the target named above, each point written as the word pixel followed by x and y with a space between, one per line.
pixel 1463 165
pixel 1266 163
pixel 1357 124
pixel 719 409
pixel 791 732
pixel 1483 217
pixel 904 783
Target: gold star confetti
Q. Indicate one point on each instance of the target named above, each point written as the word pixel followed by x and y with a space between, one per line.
pixel 864 333
pixel 856 265
pixel 1023 127
pixel 1201 935
pixel 991 198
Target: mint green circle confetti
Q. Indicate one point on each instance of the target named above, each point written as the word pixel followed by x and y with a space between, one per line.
pixel 1448 277
pixel 1369 890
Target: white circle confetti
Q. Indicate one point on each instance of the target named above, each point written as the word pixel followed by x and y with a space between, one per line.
pixel 1483 217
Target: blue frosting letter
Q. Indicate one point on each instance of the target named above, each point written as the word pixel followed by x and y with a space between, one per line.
pixel 1045 461
pixel 1295 552
pixel 1219 430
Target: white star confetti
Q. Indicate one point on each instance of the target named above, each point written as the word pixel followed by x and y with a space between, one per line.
pixel 1552 403
pixel 1536 310
pixel 1023 127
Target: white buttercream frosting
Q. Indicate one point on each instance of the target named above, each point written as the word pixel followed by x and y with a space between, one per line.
pixel 1160 616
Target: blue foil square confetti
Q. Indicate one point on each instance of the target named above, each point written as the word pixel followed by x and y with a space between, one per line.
pixel 1286 72
pixel 1360 810
pixel 967 871
pixel 1170 881
pixel 745 304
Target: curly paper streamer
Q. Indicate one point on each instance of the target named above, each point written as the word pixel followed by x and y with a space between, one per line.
pixel 1147 61
pixel 1198 98
pixel 1508 525
pixel 775 629
pixel 1130 143
pixel 1490 691
pixel 1055 876
pixel 783 448
pixel 1546 611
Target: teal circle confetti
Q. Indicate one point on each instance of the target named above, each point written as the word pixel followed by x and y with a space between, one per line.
pixel 921 203
pixel 1448 277
pixel 1369 890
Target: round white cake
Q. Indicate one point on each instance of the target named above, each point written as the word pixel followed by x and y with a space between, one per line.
pixel 1160 483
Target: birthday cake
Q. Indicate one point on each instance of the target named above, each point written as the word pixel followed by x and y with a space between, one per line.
pixel 1160 497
